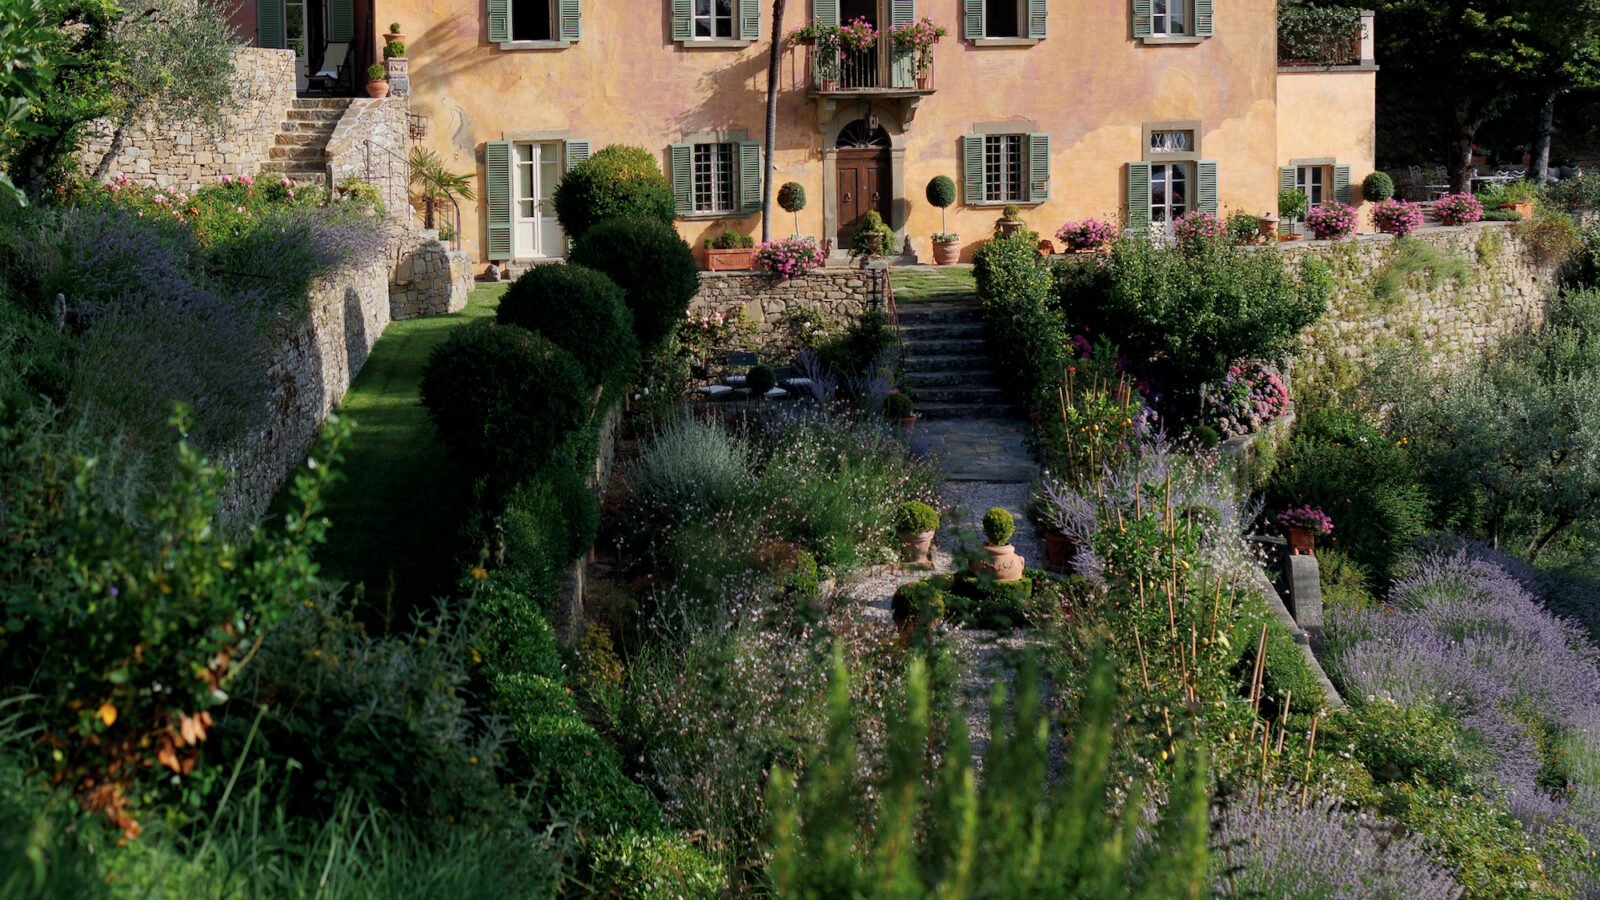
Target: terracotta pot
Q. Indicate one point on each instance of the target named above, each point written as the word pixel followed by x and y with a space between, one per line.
pixel 393 36
pixel 1008 227
pixel 1301 541
pixel 1003 563
pixel 1062 549
pixel 907 425
pixel 829 85
pixel 1290 236
pixel 730 260
pixel 1526 209
pixel 924 81
pixel 874 241
pixel 808 42
pixel 946 253
pixel 915 546
pixel 377 89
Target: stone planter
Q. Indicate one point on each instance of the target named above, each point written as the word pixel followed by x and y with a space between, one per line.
pixel 396 66
pixel 946 253
pixel 1003 563
pixel 377 89
pixel 1008 227
pixel 915 546
pixel 1061 549
pixel 737 260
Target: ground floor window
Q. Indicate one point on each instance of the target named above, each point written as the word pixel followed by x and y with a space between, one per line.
pixel 1311 180
pixel 1004 168
pixel 536 232
pixel 716 177
pixel 1169 191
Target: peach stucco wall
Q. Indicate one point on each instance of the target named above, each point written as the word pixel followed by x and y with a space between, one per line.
pixel 1329 113
pixel 1090 85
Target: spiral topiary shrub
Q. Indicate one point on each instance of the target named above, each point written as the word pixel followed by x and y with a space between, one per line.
pixel 617 181
pixel 1377 187
pixel 580 310
pixel 999 525
pixel 654 267
pixel 501 397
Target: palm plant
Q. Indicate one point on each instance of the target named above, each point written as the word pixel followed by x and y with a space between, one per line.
pixel 435 184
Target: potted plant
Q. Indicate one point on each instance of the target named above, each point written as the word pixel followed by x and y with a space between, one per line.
pixel 730 252
pixel 1269 227
pixel 858 36
pixel 946 246
pixel 825 58
pixel 1458 209
pixel 1049 503
pixel 1519 196
pixel 792 199
pixel 919 603
pixel 1302 524
pixel 394 33
pixel 1397 217
pixel 1003 562
pixel 1291 206
pixel 1197 226
pixel 1010 220
pixel 871 236
pixel 1088 236
pixel 917 39
pixel 914 525
pixel 1332 221
pixel 377 80
pixel 1377 187
pixel 394 58
pixel 899 407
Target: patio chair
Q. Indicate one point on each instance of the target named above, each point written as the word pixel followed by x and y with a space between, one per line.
pixel 334 57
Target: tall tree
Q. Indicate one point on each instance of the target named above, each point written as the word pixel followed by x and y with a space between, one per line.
pixel 1570 60
pixel 28 56
pixel 772 116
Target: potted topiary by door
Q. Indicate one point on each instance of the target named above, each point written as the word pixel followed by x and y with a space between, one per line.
pixel 1003 562
pixel 792 198
pixel 871 237
pixel 377 81
pixel 898 406
pixel 730 252
pixel 1010 221
pixel 914 525
pixel 946 245
pixel 1291 206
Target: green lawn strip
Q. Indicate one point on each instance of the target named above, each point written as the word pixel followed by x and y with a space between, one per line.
pixel 930 284
pixel 399 508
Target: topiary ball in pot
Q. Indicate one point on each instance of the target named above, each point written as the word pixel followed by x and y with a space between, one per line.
pixel 654 267
pixel 579 310
pixel 917 603
pixel 792 197
pixel 1003 562
pixel 760 379
pixel 941 191
pixel 897 406
pixel 999 525
pixel 915 517
pixel 617 181
pixel 1377 187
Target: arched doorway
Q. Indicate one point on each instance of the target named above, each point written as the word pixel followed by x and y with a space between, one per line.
pixel 863 176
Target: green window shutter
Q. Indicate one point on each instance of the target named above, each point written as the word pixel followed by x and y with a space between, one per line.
pixel 682 20
pixel 1286 179
pixel 1038 167
pixel 341 20
pixel 972 23
pixel 499 21
pixel 569 20
pixel 1139 195
pixel 269 25
pixel 1341 184
pixel 1202 18
pixel 681 162
pixel 750 176
pixel 749 20
pixel 1206 196
pixel 1142 18
pixel 902 12
pixel 826 10
pixel 1038 18
pixel 497 196
pixel 577 152
pixel 972 167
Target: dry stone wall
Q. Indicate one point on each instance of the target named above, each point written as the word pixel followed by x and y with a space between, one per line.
pixel 429 279
pixel 371 142
pixel 840 295
pixel 184 156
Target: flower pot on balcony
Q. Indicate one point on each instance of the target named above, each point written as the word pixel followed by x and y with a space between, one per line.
pixel 730 260
pixel 828 85
pixel 924 81
pixel 946 253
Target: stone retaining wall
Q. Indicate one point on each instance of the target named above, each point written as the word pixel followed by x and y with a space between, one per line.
pixel 841 295
pixel 309 374
pixel 429 279
pixel 371 142
pixel 1506 290
pixel 184 156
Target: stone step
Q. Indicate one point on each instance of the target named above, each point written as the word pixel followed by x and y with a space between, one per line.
pixel 936 330
pixel 927 315
pixel 939 410
pixel 940 363
pixel 294 168
pixel 313 115
pixel 947 377
pixel 315 141
pixel 307 155
pixel 315 129
pixel 945 347
pixel 321 102
pixel 962 393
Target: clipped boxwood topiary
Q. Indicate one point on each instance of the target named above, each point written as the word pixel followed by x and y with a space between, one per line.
pixel 501 397
pixel 1377 187
pixel 580 310
pixel 999 525
pixel 941 191
pixel 915 517
pixel 792 197
pixel 616 181
pixel 918 602
pixel 761 379
pixel 871 222
pixel 986 603
pixel 897 406
pixel 654 267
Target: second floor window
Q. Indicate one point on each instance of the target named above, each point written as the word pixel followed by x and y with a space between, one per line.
pixel 1167 17
pixel 713 19
pixel 716 177
pixel 530 20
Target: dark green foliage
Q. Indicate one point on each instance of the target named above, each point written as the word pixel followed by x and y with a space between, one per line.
pixel 999 525
pixel 502 397
pixel 1243 228
pixel 1498 859
pixel 731 240
pixel 653 266
pixel 1284 672
pixel 617 181
pixel 1206 436
pixel 918 602
pixel 792 197
pixel 1027 334
pixel 760 379
pixel 579 310
pixel 1317 34
pixel 651 867
pixel 1344 582
pixel 1405 743
pixel 34 362
pixel 982 602
pixel 549 521
pixel 941 191
pixel 897 406
pixel 1582 270
pixel 854 351
pixel 915 516
pixel 1501 215
pixel 871 223
pixel 511 629
pixel 1377 187
pixel 1364 482
pixel 1576 194
pixel 801 577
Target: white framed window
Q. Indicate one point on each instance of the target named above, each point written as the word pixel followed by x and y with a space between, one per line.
pixel 1005 20
pixel 1312 181
pixel 713 20
pixel 531 20
pixel 1170 196
pixel 1173 21
pixel 1004 162
pixel 716 178
pixel 1169 17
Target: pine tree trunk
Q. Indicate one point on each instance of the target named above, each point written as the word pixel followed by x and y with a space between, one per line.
pixel 1539 165
pixel 772 117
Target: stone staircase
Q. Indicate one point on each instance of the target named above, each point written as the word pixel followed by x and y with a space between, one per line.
pixel 299 152
pixel 948 370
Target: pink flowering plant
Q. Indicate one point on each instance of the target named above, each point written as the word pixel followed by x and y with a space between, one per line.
pixel 858 36
pixel 1397 217
pixel 1198 226
pixel 1089 234
pixel 1331 221
pixel 919 38
pixel 1458 209
pixel 706 332
pixel 1311 518
pixel 789 257
pixel 1249 396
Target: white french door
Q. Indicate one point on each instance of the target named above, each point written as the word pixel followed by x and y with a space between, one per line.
pixel 536 233
pixel 296 38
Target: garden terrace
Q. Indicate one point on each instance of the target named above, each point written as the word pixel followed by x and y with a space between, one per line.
pixel 1324 37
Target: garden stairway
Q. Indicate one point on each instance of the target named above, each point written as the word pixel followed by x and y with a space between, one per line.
pixel 299 154
pixel 948 370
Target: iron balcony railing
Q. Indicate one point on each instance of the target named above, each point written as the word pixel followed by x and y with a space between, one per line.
pixel 878 69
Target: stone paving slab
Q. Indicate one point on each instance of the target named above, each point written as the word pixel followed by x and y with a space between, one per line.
pixel 991 450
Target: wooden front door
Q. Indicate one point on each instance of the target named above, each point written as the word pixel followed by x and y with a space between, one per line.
pixel 864 179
